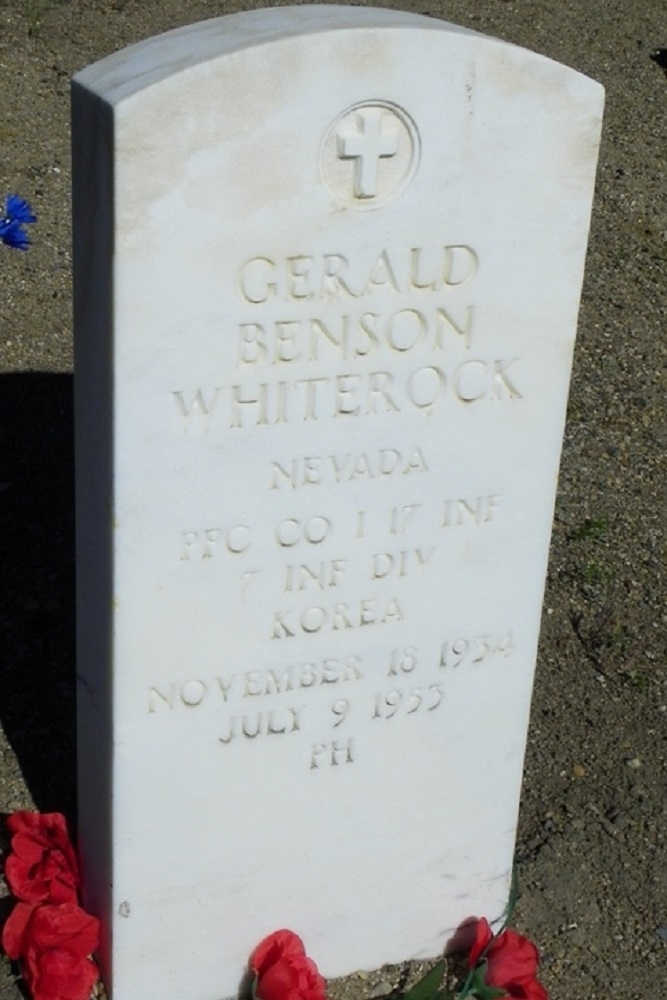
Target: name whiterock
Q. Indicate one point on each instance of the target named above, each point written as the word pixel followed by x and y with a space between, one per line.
pixel 261 404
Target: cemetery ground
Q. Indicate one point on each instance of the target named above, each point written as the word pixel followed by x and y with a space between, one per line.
pixel 592 846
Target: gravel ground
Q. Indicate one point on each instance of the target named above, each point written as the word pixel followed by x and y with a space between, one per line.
pixel 591 852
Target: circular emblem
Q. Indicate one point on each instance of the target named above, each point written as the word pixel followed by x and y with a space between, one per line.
pixel 369 154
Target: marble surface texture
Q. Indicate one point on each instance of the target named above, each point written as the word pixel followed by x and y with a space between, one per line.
pixel 327 273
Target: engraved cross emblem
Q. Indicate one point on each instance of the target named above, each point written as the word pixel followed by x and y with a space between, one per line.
pixel 370 143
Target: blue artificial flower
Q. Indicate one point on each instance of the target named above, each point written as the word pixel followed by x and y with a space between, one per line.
pixel 18 210
pixel 17 214
pixel 14 235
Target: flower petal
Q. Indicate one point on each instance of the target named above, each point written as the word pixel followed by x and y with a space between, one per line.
pixel 13 932
pixel 71 976
pixel 283 970
pixel 18 209
pixel 65 925
pixel 511 957
pixel 14 236
pixel 483 935
pixel 526 989
pixel 280 944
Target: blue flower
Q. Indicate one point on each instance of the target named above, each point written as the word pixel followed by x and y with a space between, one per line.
pixel 17 214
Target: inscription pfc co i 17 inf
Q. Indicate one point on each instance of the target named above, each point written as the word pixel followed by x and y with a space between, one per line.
pixel 369 154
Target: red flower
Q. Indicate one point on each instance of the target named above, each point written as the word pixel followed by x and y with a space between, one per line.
pixel 511 962
pixel 53 943
pixel 13 930
pixel 42 867
pixel 283 971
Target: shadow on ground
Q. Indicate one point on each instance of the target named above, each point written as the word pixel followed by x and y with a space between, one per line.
pixel 37 614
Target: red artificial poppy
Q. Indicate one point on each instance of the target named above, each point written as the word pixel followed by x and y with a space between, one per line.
pixel 54 944
pixel 42 865
pixel 14 927
pixel 511 962
pixel 283 971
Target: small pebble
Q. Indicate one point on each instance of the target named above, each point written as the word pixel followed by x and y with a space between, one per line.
pixel 578 770
pixel 382 989
pixel 634 763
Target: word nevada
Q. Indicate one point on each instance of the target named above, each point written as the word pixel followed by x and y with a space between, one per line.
pixel 316 469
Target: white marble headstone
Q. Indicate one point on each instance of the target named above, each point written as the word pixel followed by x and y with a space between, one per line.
pixel 328 265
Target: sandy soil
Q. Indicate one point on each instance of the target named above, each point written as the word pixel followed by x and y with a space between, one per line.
pixel 592 851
